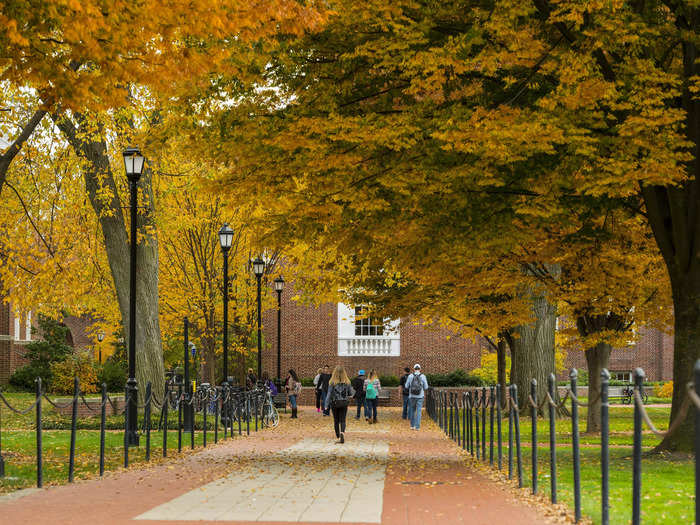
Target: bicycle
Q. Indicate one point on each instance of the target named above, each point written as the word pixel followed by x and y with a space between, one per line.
pixel 268 412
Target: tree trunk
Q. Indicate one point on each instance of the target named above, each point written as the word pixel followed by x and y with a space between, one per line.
pixel 501 363
pixel 597 358
pixel 9 155
pixel 102 192
pixel 532 352
pixel 686 351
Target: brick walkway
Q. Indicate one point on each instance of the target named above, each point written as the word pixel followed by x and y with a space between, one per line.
pixel 384 473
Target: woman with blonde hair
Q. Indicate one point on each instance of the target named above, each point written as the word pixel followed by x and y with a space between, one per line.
pixel 372 389
pixel 338 398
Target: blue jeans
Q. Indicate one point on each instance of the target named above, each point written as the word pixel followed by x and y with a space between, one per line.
pixel 293 401
pixel 404 413
pixel 371 408
pixel 416 404
pixel 326 410
pixel 360 404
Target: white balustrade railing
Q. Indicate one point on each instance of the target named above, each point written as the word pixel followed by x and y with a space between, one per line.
pixel 369 346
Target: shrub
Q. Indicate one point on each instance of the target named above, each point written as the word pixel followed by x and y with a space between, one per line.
pixel 81 365
pixel 455 378
pixel 389 380
pixel 24 378
pixel 665 390
pixel 488 372
pixel 307 381
pixel 113 374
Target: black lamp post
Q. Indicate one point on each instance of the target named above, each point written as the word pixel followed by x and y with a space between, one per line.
pixel 279 286
pixel 100 338
pixel 258 270
pixel 133 165
pixel 225 240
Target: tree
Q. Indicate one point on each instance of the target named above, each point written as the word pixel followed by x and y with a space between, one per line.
pixel 523 110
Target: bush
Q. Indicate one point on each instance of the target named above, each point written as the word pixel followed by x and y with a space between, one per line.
pixel 455 378
pixel 24 378
pixel 81 365
pixel 665 390
pixel 389 380
pixel 307 381
pixel 113 374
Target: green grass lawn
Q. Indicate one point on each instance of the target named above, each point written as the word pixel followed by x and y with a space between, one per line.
pixel 668 486
pixel 19 443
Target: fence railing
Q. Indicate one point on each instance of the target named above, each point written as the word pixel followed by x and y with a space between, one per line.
pixel 234 411
pixel 464 416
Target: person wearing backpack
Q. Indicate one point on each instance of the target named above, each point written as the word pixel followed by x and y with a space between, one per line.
pixel 293 387
pixel 372 388
pixel 358 384
pixel 338 399
pixel 417 384
pixel 404 393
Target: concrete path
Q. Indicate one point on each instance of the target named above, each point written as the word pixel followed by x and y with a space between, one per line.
pixel 384 473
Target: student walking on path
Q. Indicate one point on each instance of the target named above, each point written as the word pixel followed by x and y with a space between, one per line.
pixel 323 381
pixel 404 393
pixel 293 387
pixel 417 384
pixel 359 385
pixel 372 387
pixel 338 399
pixel 317 389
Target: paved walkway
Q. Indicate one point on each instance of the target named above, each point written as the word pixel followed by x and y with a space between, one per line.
pixel 384 473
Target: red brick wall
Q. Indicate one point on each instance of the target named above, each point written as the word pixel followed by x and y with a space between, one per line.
pixel 653 353
pixel 310 340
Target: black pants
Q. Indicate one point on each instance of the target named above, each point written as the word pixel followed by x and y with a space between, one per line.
pixel 360 404
pixel 318 399
pixel 339 415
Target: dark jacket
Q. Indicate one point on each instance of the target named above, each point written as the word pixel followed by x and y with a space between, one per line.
pixel 402 382
pixel 339 391
pixel 323 382
pixel 359 384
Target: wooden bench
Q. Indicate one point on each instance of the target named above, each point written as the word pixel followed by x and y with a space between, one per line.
pixel 280 401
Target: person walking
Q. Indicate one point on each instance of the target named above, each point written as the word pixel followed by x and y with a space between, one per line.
pixel 251 380
pixel 338 399
pixel 404 393
pixel 417 384
pixel 359 385
pixel 293 387
pixel 317 389
pixel 323 381
pixel 372 387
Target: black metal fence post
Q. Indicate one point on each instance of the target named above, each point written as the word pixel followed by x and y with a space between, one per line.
pixel 103 416
pixel 179 418
pixel 2 460
pixel 166 401
pixel 73 422
pixel 147 418
pixel 491 421
pixel 498 426
pixel 637 451
pixel 450 425
pixel 127 407
pixel 205 396
pixel 484 404
pixel 516 417
pixel 604 447
pixel 39 448
pixel 575 445
pixel 216 419
pixel 552 382
pixel 476 421
pixel 470 398
pixel 510 432
pixel 247 413
pixel 533 419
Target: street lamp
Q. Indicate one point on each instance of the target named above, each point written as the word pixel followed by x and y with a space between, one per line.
pixel 225 240
pixel 258 270
pixel 279 286
pixel 100 338
pixel 133 165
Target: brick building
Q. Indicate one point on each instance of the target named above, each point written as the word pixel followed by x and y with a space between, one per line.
pixel 18 329
pixel 331 334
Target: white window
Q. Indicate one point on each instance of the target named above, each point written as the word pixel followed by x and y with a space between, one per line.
pixel 17 332
pixel 621 376
pixel 362 335
pixel 23 331
pixel 28 327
